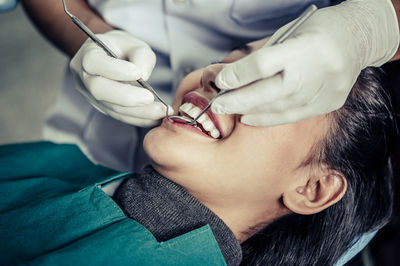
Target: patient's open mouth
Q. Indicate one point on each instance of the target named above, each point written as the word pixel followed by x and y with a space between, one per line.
pixel 205 124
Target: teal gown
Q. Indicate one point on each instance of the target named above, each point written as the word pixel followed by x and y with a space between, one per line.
pixel 54 212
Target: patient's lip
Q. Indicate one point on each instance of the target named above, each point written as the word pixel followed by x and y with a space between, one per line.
pixel 202 102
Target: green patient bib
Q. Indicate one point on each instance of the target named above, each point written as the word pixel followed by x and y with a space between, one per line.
pixel 53 212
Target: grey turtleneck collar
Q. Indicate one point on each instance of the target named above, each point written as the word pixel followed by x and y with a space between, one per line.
pixel 167 210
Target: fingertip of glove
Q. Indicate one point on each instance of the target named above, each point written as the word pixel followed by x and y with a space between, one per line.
pixel 255 121
pixel 170 111
pixel 247 120
pixel 218 109
pixel 159 110
pixel 220 80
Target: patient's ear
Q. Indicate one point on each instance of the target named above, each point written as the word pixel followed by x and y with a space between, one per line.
pixel 317 194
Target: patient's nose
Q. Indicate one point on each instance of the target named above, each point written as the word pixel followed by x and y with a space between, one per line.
pixel 208 78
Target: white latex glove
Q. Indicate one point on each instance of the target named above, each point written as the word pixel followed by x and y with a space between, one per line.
pixel 109 83
pixel 312 72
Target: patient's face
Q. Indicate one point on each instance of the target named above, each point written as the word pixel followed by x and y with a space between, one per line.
pixel 242 160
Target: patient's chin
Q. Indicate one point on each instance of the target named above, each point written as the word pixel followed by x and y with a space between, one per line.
pixel 153 145
pixel 163 148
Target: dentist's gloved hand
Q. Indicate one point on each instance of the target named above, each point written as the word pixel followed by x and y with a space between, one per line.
pixel 109 84
pixel 312 72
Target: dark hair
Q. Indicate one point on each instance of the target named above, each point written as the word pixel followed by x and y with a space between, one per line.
pixel 357 145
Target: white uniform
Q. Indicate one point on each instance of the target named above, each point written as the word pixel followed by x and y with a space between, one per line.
pixel 185 35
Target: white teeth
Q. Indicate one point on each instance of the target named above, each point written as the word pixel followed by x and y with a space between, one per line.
pixel 193 111
pixel 215 133
pixel 202 118
pixel 208 125
pixel 186 107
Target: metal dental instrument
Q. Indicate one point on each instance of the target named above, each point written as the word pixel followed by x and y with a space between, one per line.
pixel 92 36
pixel 281 38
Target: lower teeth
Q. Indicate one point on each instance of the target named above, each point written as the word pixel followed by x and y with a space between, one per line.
pixel 196 125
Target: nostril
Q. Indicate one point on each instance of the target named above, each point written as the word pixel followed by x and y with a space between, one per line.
pixel 212 85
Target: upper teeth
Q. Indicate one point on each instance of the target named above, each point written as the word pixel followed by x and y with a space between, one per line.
pixel 193 111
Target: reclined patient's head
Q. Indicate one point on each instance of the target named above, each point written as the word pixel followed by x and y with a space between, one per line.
pixel 245 161
pixel 255 175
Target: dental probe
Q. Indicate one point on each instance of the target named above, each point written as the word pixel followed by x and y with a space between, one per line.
pixel 100 43
pixel 281 38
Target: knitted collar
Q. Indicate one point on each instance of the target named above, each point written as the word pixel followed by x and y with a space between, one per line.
pixel 167 210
